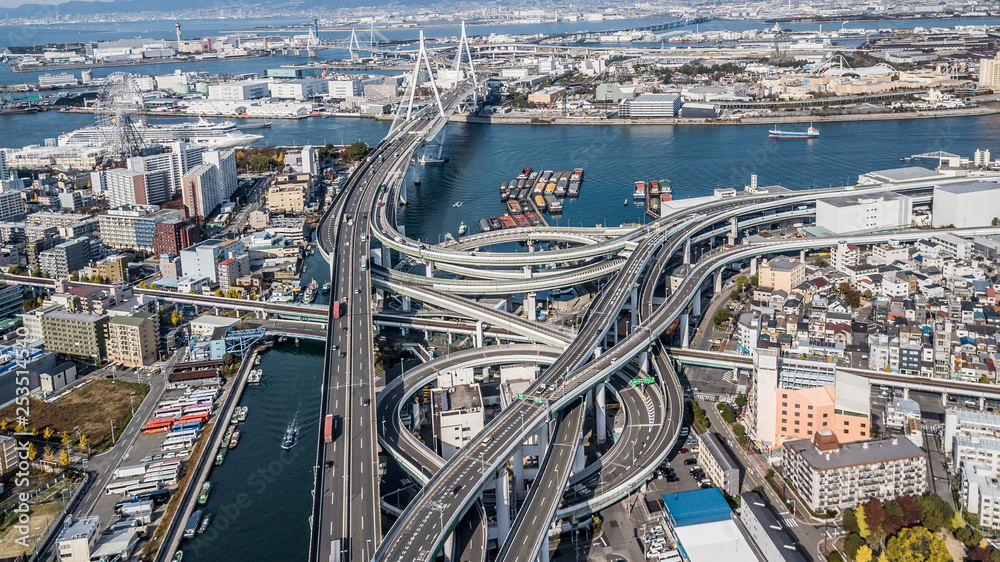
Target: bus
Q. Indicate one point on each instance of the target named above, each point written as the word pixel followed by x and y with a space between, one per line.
pixel 207 408
pixel 196 424
pixel 141 487
pixel 158 496
pixel 119 487
pixel 167 412
pixel 161 464
pixel 182 434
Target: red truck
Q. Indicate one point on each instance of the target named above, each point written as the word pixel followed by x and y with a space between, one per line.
pixel 336 309
pixel 328 429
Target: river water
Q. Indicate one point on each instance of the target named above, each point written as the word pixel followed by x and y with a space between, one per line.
pixel 261 495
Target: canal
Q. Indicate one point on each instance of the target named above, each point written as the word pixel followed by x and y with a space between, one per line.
pixel 262 494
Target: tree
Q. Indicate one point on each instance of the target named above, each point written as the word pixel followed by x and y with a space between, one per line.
pixel 754 280
pixel 850 521
pixel 260 162
pixel 844 287
pixel 64 457
pixel 911 510
pixel 721 315
pixel 726 412
pixel 14 270
pixel 48 455
pixel 882 557
pixel 37 272
pixel 84 442
pixel 32 452
pixel 218 293
pixel 3 426
pixel 935 512
pixel 874 516
pixel 74 276
pixel 864 554
pixel 357 151
pixel 232 294
pixel 65 438
pixel 853 543
pixel 957 522
pixel 741 400
pixel 917 544
pixel 175 317
pixel 859 514
pixel 47 433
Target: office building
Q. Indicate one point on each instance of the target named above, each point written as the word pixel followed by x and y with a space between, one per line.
pixel 200 190
pixel 965 423
pixel 133 228
pixel 173 235
pixel 830 475
pixel 65 258
pixel 781 274
pixel 231 269
pixel 3 165
pixel 239 91
pixel 966 204
pixel 457 416
pixel 10 300
pixel 303 89
pixel 126 187
pixel 862 213
pixel 614 93
pixel 80 335
pixel 76 539
pixel 650 105
pixel 343 89
pixel 768 531
pixel 224 161
pixel 795 399
pixel 202 260
pixel 132 339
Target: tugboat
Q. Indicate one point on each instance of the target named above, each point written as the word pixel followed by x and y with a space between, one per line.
pixel 235 439
pixel 326 288
pixel 220 457
pixel 289 439
pixel 206 489
pixel 462 229
pixel 241 413
pixel 192 526
pixel 311 290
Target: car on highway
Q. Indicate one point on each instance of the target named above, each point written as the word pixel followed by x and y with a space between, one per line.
pixel 343 354
pixel 455 489
pixel 344 329
pixel 357 290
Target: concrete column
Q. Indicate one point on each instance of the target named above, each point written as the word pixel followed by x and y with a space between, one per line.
pixel 601 414
pixel 479 333
pixel 696 302
pixel 530 302
pixel 731 239
pixel 579 461
pixel 448 548
pixel 944 399
pixel 687 251
pixel 518 470
pixel 614 325
pixel 634 307
pixel 753 266
pixel 906 393
pixel 685 337
pixel 597 353
pixel 416 171
pixel 718 282
pixel 451 338
pixel 531 247
pixel 982 402
pixel 644 363
pixel 406 304
pixel 802 256
pixel 734 228
pixel 543 551
pixel 429 268
pixel 403 197
pixel 503 504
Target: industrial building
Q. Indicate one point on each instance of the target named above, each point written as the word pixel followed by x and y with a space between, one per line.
pixel 966 204
pixel 719 465
pixel 705 529
pixel 768 532
pixel 650 105
pixel 864 212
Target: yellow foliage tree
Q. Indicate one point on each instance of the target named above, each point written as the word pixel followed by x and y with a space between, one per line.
pixel 47 433
pixel 859 513
pixel 65 438
pixel 882 557
pixel 84 442
pixel 864 554
pixel 64 457
pixel 3 425
pixel 32 452
pixel 917 544
pixel 48 455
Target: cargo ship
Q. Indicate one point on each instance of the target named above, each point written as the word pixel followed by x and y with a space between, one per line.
pixel 540 202
pixel 640 190
pixel 654 189
pixel 289 439
pixel 311 291
pixel 514 207
pixel 809 133
pixel 574 183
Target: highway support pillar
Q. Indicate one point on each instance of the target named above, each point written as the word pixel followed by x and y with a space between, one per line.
pixel 518 462
pixel 579 461
pixel 718 282
pixel 416 170
pixel 448 548
pixel 406 304
pixel 982 403
pixel 479 333
pixel 696 302
pixel 802 256
pixel 503 504
pixel 906 393
pixel 527 272
pixel 403 195
pixel 634 308
pixel 730 239
pixel 530 302
pixel 685 336
pixel 601 414
pixel 386 258
pixel 429 269
pixel 687 251
pixel 543 550
pixel 753 266
pixel 531 246
pixel 734 229
pixel 944 399
pixel 451 338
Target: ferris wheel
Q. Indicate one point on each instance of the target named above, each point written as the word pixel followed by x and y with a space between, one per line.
pixel 118 118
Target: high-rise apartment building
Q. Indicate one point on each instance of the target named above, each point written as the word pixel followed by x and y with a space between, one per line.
pixel 132 339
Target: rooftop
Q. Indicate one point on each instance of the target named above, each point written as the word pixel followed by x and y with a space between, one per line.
pixel 715 541
pixel 855 454
pixel 968 187
pixel 905 174
pixel 696 506
pixel 135 320
pixel 83 527
pixel 860 198
pixel 776 531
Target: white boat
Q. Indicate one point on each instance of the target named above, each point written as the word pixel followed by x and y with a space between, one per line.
pixel 223 134
pixel 458 204
pixel 462 229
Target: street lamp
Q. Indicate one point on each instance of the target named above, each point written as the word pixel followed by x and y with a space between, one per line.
pixel 131 402
pixel 112 432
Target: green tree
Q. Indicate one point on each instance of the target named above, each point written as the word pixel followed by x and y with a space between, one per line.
pixel 864 554
pixel 722 315
pixel 957 522
pixel 754 280
pixel 14 270
pixel 357 151
pixel 37 272
pixel 741 400
pixel 917 544
pixel 726 412
pixel 850 521
pixel 853 543
pixel 859 514
pixel 260 162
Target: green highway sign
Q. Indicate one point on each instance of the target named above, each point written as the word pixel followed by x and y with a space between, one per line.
pixel 518 397
pixel 538 399
pixel 637 382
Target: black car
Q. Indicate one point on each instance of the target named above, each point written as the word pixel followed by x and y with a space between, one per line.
pixel 673 479
pixel 690 461
pixel 455 489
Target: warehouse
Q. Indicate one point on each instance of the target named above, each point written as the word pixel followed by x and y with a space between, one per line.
pixel 862 212
pixel 966 204
pixel 650 105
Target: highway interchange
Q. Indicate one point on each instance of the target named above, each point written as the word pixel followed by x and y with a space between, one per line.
pixel 347 510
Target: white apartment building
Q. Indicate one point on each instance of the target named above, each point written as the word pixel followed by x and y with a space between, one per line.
pixel 225 161
pixel 829 475
pixel 457 415
pixel 889 253
pixel 979 493
pixel 958 423
pixel 12 207
pixel 174 162
pixel 124 187
pixel 845 255
pixel 200 190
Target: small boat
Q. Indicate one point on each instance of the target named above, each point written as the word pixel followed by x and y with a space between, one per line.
pixel 626 202
pixel 206 489
pixel 204 523
pixel 220 457
pixel 458 204
pixel 256 360
pixel 241 413
pixel 326 288
pixel 462 229
pixel 235 419
pixel 235 439
pixel 289 439
pixel 179 556
pixel 809 133
pixel 192 524
pixel 228 436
